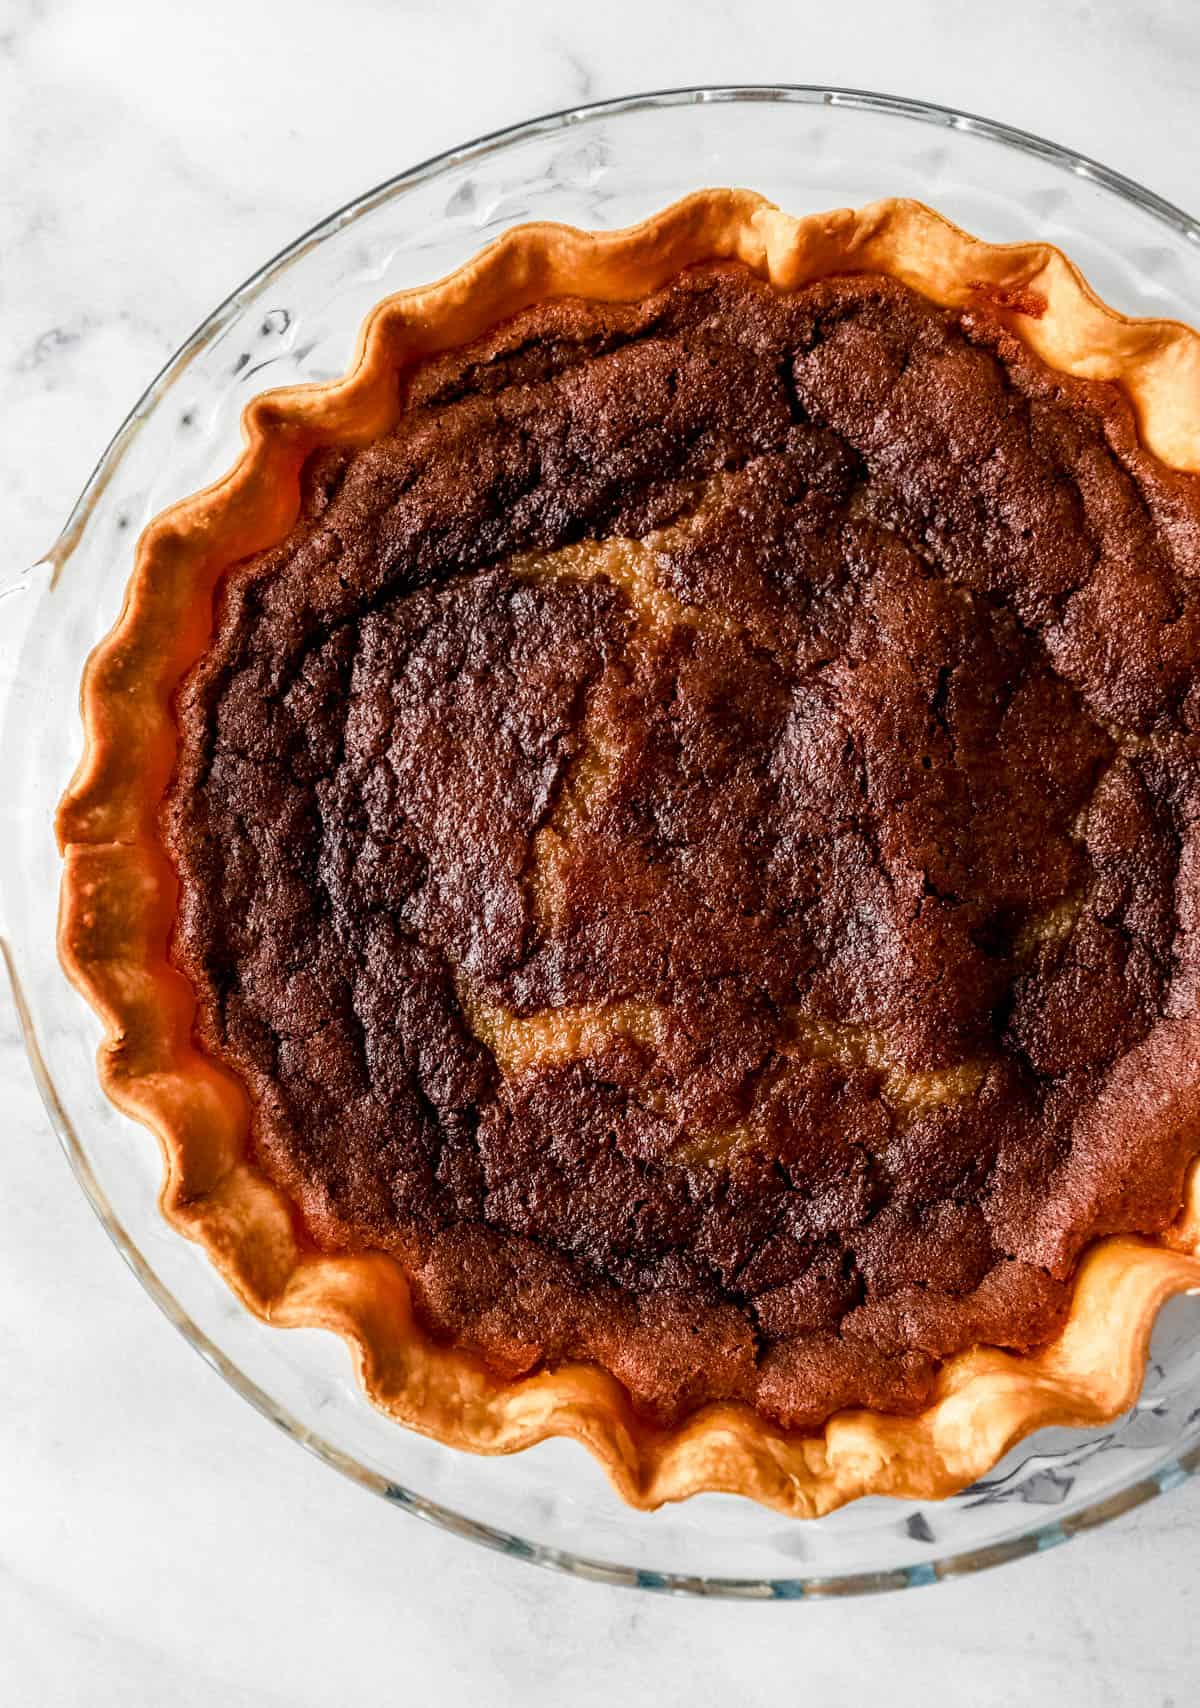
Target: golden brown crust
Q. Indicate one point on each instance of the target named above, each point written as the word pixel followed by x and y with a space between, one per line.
pixel 118 897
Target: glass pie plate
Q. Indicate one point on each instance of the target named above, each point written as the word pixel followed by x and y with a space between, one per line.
pixel 296 320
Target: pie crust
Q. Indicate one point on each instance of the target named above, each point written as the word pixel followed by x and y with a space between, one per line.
pixel 119 890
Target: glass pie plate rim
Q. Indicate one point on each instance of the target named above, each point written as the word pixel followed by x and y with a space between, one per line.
pixel 927 1564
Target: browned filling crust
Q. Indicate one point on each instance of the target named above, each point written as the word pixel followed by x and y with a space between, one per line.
pixel 683 841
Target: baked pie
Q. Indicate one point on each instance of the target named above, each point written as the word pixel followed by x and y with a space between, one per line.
pixel 639 852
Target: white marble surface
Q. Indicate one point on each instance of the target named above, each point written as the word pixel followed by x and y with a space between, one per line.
pixel 158 1542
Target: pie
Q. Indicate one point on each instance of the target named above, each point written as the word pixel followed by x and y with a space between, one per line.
pixel 639 852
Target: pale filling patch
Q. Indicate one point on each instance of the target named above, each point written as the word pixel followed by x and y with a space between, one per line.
pixel 528 1044
pixel 632 566
pixel 911 1090
pixel 1046 930
pixel 524 1044
pixel 592 778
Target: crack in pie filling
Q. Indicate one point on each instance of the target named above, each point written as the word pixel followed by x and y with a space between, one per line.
pixel 689 844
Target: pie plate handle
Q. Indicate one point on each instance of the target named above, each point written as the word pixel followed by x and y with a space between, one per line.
pixel 32 698
pixel 27 854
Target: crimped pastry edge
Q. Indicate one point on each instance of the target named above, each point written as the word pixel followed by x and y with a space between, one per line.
pixel 119 891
